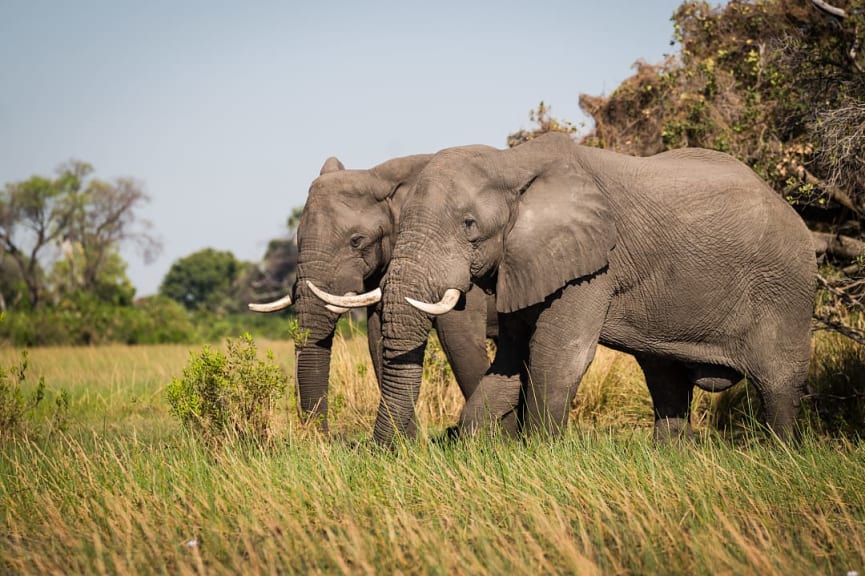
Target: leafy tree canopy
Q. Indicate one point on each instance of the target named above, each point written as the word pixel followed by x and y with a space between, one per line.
pixel 203 280
pixel 64 234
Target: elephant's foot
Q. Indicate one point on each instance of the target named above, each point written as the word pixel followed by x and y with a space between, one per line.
pixel 492 407
pixel 672 430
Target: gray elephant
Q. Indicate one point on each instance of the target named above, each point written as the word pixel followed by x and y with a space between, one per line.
pixel 686 259
pixel 345 239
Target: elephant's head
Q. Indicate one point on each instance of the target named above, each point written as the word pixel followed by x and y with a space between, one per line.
pixel 345 239
pixel 524 221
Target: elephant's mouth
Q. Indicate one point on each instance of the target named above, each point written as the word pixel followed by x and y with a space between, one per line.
pixel 443 306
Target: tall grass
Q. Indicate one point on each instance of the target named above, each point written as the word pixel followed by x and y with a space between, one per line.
pixel 126 491
pixel 589 503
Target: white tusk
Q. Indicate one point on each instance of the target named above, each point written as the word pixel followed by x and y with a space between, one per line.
pixel 336 309
pixel 358 301
pixel 274 306
pixel 446 304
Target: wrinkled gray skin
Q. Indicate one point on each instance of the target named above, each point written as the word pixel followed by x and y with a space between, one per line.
pixel 686 259
pixel 345 240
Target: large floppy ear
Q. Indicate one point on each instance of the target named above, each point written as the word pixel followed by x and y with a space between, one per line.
pixel 331 165
pixel 562 230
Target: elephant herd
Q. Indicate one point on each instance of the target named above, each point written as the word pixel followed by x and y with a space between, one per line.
pixel 687 260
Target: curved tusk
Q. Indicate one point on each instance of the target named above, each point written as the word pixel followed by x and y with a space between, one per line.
pixel 336 309
pixel 274 306
pixel 446 304
pixel 358 301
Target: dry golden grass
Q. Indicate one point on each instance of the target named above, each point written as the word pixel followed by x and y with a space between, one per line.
pixel 126 491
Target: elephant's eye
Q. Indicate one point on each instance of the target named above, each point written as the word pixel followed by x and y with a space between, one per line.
pixel 471 227
pixel 356 241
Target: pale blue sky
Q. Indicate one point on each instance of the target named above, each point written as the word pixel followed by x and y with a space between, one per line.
pixel 226 110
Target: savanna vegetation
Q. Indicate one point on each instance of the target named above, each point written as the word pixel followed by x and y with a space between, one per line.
pixel 175 457
pixel 63 280
pixel 114 483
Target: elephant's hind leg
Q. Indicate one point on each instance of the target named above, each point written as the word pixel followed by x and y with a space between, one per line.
pixel 780 394
pixel 778 367
pixel 671 389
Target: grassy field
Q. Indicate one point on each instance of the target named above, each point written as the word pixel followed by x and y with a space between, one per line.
pixel 126 491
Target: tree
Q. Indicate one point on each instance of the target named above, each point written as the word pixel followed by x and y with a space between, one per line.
pixel 74 218
pixel 204 280
pixel 274 276
pixel 12 287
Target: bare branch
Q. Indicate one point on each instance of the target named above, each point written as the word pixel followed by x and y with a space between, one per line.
pixel 852 333
pixel 836 193
pixel 829 9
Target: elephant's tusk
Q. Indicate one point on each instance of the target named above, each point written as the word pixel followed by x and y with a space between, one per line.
pixel 355 301
pixel 446 304
pixel 336 309
pixel 274 306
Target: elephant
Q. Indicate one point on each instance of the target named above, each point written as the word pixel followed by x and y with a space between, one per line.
pixel 687 260
pixel 345 239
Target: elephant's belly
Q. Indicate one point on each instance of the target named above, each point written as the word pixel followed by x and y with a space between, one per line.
pixel 709 365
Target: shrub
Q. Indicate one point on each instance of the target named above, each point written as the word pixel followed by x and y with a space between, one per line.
pixel 18 410
pixel 160 320
pixel 232 394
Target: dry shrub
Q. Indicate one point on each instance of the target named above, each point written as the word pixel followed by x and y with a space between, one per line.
pixel 836 379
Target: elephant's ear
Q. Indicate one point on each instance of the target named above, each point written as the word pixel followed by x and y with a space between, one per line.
pixel 562 230
pixel 331 165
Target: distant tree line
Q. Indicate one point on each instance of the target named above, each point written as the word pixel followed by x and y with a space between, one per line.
pixel 63 280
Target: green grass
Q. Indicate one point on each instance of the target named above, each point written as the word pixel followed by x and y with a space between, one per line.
pixel 126 491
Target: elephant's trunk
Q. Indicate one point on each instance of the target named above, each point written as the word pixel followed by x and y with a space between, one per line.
pixel 401 379
pixel 405 330
pixel 315 338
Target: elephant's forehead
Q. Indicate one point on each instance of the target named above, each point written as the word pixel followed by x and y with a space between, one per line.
pixel 328 218
pixel 345 185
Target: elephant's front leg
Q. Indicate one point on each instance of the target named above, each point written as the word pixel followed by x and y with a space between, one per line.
pixel 462 334
pixel 495 402
pixel 567 328
pixel 374 340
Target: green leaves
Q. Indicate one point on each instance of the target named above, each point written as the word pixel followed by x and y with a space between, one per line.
pixel 20 403
pixel 88 220
pixel 228 395
pixel 203 280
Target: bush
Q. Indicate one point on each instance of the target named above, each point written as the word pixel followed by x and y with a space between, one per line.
pixel 159 320
pixel 232 394
pixel 18 410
